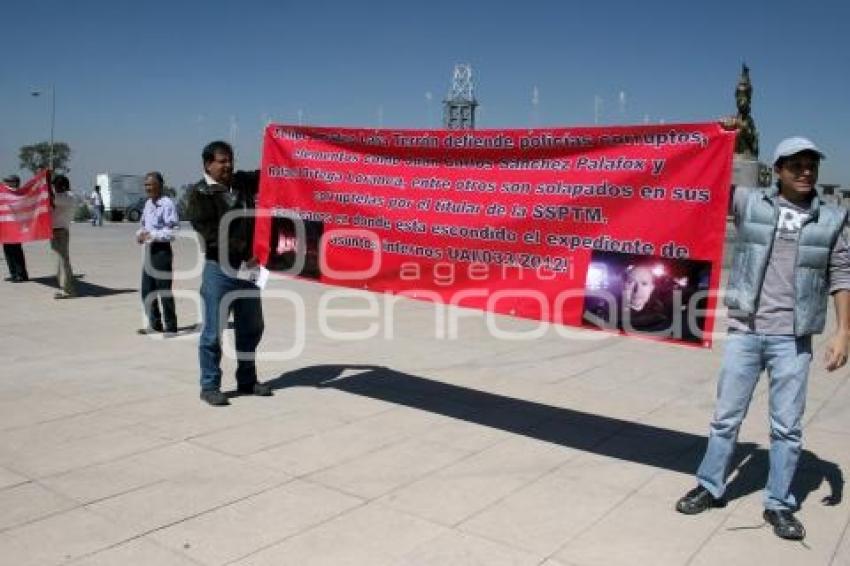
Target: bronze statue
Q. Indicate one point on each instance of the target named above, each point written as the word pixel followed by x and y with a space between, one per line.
pixel 747 142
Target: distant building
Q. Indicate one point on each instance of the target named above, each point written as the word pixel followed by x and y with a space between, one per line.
pixel 459 106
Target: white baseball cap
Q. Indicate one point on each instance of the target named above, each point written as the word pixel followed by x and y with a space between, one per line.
pixel 793 146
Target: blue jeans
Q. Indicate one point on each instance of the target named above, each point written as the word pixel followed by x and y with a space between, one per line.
pixel 221 295
pixel 786 359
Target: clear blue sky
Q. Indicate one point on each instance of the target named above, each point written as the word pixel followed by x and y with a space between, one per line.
pixel 143 85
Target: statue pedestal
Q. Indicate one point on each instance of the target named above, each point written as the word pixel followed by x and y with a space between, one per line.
pixel 745 171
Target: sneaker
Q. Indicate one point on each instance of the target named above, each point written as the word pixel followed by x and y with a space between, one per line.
pixel 154 328
pixel 785 524
pixel 259 389
pixel 149 330
pixel 698 500
pixel 63 295
pixel 214 398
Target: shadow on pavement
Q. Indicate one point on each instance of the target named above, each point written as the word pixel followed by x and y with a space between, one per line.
pixel 611 437
pixel 84 288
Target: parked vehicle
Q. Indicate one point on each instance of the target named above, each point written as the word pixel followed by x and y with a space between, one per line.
pixel 133 213
pixel 119 192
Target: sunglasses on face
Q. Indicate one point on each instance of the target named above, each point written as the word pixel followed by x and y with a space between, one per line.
pixel 799 166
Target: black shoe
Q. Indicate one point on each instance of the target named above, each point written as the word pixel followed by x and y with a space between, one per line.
pixel 214 398
pixel 259 389
pixel 698 500
pixel 785 524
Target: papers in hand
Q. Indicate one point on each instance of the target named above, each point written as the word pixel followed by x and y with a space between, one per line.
pixel 258 275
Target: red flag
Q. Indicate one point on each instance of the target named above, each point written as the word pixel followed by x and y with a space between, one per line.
pixel 25 212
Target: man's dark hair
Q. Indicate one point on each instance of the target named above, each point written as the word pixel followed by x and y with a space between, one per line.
pixel 158 176
pixel 218 146
pixel 97 188
pixel 61 182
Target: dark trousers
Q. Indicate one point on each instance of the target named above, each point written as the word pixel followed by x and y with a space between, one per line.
pixel 156 286
pixel 16 261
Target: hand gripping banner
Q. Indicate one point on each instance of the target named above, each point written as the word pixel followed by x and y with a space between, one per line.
pixel 25 212
pixel 619 228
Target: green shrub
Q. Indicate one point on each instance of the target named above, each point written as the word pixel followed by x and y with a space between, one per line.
pixel 82 213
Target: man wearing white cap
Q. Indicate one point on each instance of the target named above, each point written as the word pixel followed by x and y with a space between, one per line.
pixel 791 252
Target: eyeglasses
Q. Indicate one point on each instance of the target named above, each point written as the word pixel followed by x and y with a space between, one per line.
pixel 799 166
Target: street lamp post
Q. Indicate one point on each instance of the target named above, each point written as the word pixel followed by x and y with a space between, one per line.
pixel 51 161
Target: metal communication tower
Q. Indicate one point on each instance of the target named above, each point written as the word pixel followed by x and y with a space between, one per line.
pixel 459 106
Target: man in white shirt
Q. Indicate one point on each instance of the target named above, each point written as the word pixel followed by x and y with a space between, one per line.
pixel 63 212
pixel 97 207
pixel 156 231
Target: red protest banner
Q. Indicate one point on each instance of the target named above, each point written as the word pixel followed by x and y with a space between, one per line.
pixel 617 227
pixel 25 212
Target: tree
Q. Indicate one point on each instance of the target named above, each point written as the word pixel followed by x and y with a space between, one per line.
pixel 37 157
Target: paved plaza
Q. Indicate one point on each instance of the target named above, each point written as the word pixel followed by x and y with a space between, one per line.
pixel 412 447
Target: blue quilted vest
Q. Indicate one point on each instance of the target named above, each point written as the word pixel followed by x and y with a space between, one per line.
pixel 756 232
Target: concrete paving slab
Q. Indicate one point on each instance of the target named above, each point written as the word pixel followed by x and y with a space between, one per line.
pixel 38 407
pixel 254 437
pixel 49 458
pixel 181 497
pixel 668 538
pixel 389 468
pixel 542 516
pixel 746 538
pixel 841 554
pixel 178 461
pixel 327 448
pixel 179 417
pixel 136 552
pixel 234 531
pixel 61 538
pixel 28 502
pixel 456 492
pixel 9 478
pixel 465 435
pixel 456 548
pixel 371 534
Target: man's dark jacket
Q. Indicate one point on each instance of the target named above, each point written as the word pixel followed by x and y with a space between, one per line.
pixel 207 205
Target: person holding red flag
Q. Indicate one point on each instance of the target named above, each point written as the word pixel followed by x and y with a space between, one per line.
pixel 791 253
pixel 24 217
pixel 13 251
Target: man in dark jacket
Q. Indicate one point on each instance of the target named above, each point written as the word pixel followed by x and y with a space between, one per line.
pixel 221 209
